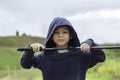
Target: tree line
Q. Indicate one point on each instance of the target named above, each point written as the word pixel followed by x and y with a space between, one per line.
pixel 23 34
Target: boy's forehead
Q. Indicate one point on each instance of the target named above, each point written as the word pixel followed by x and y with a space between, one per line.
pixel 62 27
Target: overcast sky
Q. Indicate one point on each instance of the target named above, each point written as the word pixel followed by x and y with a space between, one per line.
pixel 97 19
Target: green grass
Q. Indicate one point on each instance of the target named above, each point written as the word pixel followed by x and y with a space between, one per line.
pixel 108 70
pixel 19 41
pixel 9 57
pixel 10 68
pixel 20 74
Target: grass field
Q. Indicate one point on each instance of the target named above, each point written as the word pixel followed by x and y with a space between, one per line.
pixel 10 68
pixel 20 74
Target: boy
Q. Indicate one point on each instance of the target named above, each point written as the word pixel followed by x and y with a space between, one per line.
pixel 69 64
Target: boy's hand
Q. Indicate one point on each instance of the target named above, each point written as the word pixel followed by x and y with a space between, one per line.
pixel 36 47
pixel 85 47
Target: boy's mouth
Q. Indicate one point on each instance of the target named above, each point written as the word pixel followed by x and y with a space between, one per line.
pixel 61 40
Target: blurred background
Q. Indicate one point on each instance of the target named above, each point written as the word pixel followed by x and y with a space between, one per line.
pixel 23 22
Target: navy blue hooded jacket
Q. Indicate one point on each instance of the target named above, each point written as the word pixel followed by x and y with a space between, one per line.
pixel 71 65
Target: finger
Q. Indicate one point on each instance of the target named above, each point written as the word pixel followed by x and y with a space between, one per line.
pixel 38 48
pixel 34 47
pixel 41 47
pixel 82 48
pixel 31 46
pixel 85 47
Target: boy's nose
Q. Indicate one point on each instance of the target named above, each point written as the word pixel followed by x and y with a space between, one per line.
pixel 61 34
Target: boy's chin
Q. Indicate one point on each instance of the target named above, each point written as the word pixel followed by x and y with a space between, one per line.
pixel 62 46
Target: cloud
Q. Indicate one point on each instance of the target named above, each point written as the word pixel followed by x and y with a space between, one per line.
pixel 98 14
pixel 103 25
pixel 34 16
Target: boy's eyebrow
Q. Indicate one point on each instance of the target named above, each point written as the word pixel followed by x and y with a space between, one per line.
pixel 65 28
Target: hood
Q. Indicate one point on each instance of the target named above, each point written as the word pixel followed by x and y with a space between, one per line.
pixel 57 22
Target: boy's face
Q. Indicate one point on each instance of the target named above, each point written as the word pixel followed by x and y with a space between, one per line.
pixel 61 36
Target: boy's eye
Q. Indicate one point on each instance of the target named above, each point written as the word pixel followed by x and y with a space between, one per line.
pixel 56 32
pixel 66 32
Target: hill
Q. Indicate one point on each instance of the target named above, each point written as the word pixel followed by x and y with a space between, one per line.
pixel 19 41
pixel 9 56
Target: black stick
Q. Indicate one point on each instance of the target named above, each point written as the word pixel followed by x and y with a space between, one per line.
pixel 55 48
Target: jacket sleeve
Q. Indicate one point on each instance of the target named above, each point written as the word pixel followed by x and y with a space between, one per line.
pixel 95 55
pixel 29 59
